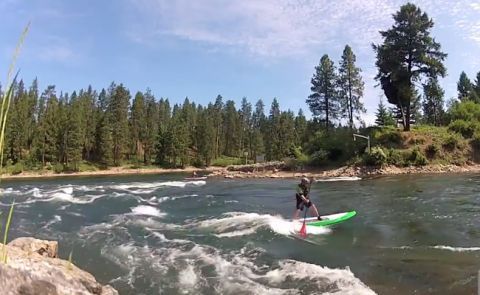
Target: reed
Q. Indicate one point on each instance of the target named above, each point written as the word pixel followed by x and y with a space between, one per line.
pixel 6 99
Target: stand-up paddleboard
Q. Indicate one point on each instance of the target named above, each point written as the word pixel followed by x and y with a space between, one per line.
pixel 329 219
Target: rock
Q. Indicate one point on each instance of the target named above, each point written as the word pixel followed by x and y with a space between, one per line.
pixel 30 269
pixel 42 247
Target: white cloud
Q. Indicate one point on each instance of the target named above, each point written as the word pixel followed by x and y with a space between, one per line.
pixel 279 28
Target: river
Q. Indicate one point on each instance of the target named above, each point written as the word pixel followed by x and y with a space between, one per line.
pixel 163 235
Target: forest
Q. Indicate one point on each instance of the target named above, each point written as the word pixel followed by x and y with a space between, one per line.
pixel 55 130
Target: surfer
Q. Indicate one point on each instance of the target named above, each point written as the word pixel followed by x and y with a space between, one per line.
pixel 303 198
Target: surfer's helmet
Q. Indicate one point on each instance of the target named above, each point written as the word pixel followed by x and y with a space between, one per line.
pixel 304 180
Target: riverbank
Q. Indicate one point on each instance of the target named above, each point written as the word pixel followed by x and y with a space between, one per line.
pixel 275 170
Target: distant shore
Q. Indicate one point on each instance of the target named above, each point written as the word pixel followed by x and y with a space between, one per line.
pixel 252 171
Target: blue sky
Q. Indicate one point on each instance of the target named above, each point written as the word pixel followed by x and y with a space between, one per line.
pixel 253 48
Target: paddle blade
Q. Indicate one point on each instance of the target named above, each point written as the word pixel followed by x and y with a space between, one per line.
pixel 303 230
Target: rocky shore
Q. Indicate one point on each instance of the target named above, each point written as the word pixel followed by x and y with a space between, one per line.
pixel 33 268
pixel 277 170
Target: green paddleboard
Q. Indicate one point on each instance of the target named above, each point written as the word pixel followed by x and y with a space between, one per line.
pixel 328 220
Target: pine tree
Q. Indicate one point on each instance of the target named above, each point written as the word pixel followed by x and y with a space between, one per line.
pixel 89 119
pixel 205 134
pixel 151 127
pixel 408 54
pixel 383 116
pixel 300 129
pixel 118 108
pixel 138 125
pixel 323 101
pixel 218 121
pixel 231 129
pixel 49 125
pixel 245 115
pixel 272 136
pixel 74 136
pixel 258 126
pixel 433 102
pixel 350 87
pixel 466 90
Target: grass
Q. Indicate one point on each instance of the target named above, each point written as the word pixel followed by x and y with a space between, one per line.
pixel 225 161
pixel 5 107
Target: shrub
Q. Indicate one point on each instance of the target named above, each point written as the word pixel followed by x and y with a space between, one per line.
pixel 225 161
pixel 396 158
pixel 451 142
pixel 16 169
pixel 58 168
pixel 466 129
pixel 390 137
pixel 432 150
pixel 376 158
pixel 319 158
pixel 417 158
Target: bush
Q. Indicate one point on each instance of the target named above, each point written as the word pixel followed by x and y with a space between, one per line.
pixel 225 161
pixel 396 158
pixel 376 158
pixel 16 169
pixel 319 158
pixel 466 129
pixel 432 150
pixel 451 142
pixel 58 168
pixel 417 158
pixel 390 138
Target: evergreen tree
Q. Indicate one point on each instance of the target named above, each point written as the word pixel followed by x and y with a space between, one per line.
pixel 231 129
pixel 245 116
pixel 272 136
pixel 49 127
pixel 383 116
pixel 218 121
pixel 433 102
pixel 74 136
pixel 138 122
pixel 205 134
pixel 466 90
pixel 258 125
pixel 350 87
pixel 407 55
pixel 118 108
pixel 323 101
pixel 151 127
pixel 300 129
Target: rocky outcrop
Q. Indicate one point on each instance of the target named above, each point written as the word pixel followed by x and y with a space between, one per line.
pixel 32 268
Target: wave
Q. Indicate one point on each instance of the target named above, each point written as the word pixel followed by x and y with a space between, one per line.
pixel 147 211
pixel 341 178
pixel 228 273
pixel 456 249
pixel 233 224
pixel 155 185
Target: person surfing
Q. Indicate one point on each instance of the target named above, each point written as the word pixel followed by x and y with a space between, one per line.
pixel 303 198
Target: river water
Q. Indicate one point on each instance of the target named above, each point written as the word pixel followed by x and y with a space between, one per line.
pixel 163 235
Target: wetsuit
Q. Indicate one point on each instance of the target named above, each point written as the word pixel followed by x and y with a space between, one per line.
pixel 302 190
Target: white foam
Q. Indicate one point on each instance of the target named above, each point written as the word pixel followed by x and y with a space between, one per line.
pixel 341 178
pixel 147 211
pixel 235 224
pixel 187 278
pixel 155 185
pixel 456 249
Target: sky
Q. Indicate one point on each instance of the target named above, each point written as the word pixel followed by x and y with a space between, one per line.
pixel 199 49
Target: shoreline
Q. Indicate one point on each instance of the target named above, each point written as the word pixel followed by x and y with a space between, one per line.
pixel 255 172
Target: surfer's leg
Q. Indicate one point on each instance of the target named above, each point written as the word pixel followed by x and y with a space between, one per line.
pixel 315 210
pixel 295 215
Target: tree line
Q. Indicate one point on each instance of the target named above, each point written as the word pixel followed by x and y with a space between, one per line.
pixel 110 127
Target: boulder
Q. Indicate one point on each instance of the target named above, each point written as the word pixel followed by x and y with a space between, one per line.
pixel 32 269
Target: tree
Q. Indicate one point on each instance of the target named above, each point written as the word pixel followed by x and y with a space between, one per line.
pixel 205 134
pixel 245 116
pixel 231 129
pixel 383 116
pixel 74 137
pixel 217 121
pixel 138 122
pixel 323 101
pixel 300 129
pixel 433 102
pixel 408 54
pixel 151 127
pixel 118 108
pixel 258 125
pixel 465 88
pixel 350 87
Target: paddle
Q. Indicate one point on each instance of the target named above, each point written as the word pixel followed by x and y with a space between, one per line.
pixel 303 230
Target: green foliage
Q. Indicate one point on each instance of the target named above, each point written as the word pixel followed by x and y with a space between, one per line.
pixel 407 54
pixel 452 142
pixel 323 101
pixel 397 157
pixel 58 168
pixel 417 158
pixel 225 161
pixel 376 158
pixel 388 137
pixel 433 102
pixel 319 157
pixel 383 116
pixel 465 128
pixel 432 150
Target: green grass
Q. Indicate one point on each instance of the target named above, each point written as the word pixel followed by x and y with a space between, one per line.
pixel 5 107
pixel 225 161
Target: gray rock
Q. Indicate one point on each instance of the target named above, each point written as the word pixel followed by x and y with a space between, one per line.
pixel 30 269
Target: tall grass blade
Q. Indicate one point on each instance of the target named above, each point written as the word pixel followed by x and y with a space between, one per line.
pixel 5 234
